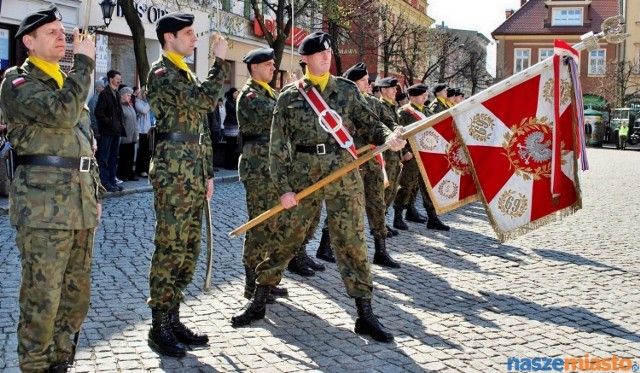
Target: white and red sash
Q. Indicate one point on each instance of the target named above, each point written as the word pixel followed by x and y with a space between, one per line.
pixel 331 122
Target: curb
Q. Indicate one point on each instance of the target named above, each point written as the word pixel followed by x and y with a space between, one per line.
pixel 216 180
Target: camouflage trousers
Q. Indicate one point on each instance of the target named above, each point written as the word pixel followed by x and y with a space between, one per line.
pixel 374 190
pixel 394 170
pixel 410 182
pixel 177 247
pixel 345 217
pixel 261 195
pixel 54 293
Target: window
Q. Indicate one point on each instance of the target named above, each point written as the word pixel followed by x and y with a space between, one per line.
pixel 226 5
pixel 597 62
pixel 567 17
pixel 522 59
pixel 248 10
pixel 544 53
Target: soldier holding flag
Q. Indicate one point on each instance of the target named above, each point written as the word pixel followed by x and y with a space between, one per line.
pixel 315 153
pixel 56 193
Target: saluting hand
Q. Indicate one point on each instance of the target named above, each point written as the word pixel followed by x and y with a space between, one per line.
pixel 219 46
pixel 83 46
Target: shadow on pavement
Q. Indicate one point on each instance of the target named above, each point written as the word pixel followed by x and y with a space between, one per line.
pixel 561 256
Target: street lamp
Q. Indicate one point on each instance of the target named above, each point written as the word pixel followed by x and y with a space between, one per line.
pixel 107 7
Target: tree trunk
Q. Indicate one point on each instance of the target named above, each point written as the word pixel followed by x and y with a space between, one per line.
pixel 139 44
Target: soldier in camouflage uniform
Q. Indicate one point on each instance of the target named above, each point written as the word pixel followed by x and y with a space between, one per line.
pixel 439 103
pixel 410 180
pixel 371 172
pixel 315 154
pixel 256 102
pixel 393 160
pixel 55 198
pixel 181 174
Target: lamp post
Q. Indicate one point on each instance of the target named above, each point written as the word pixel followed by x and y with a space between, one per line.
pixel 107 7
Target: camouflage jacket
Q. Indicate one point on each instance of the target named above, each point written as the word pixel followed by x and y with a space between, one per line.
pixel 405 118
pixel 437 106
pixel 181 105
pixel 295 123
pixel 254 110
pixel 45 120
pixel 390 118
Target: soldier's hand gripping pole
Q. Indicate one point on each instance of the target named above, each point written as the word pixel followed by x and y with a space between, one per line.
pixel 409 130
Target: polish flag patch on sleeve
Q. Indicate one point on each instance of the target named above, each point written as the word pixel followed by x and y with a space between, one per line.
pixel 160 71
pixel 16 82
pixel 250 95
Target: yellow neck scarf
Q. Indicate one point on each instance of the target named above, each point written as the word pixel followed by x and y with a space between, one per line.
pixel 266 86
pixel 321 81
pixel 51 69
pixel 418 106
pixel 179 62
pixel 392 103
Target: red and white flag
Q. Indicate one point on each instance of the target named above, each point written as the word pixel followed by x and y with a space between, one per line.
pixel 444 166
pixel 515 141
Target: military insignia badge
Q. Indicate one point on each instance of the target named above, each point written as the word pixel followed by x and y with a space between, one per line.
pixel 16 82
pixel 326 45
pixel 250 95
pixel 529 148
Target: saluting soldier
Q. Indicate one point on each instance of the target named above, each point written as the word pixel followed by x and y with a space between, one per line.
pixel 181 174
pixel 55 198
pixel 314 154
pixel 255 105
pixel 439 103
pixel 410 180
pixel 372 171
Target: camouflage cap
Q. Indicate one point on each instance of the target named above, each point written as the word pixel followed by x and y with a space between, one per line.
pixel 37 19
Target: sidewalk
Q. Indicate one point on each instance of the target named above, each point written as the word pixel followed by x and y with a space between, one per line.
pixel 142 185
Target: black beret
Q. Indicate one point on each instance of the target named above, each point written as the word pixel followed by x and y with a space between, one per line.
pixel 459 92
pixel 259 55
pixel 173 22
pixel 400 96
pixel 439 87
pixel 387 82
pixel 417 89
pixel 314 43
pixel 37 19
pixel 356 72
pixel 451 92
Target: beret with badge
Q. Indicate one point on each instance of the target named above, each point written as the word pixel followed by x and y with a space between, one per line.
pixel 451 92
pixel 356 72
pixel 314 43
pixel 417 89
pixel 37 19
pixel 173 22
pixel 258 56
pixel 387 82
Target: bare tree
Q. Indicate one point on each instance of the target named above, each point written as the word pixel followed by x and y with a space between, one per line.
pixel 139 43
pixel 621 83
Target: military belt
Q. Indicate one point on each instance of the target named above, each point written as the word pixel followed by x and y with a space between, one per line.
pixel 83 164
pixel 180 137
pixel 258 139
pixel 319 149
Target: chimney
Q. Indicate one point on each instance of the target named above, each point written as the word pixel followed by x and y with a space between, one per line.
pixel 508 13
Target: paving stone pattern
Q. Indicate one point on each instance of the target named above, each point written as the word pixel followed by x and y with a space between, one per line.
pixel 462 302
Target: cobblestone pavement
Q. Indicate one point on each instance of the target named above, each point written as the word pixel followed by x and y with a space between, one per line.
pixel 461 302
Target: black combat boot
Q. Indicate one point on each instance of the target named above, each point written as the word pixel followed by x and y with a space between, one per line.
pixel 62 367
pixel 391 231
pixel 316 266
pixel 324 250
pixel 161 337
pixel 381 257
pixel 299 266
pixel 413 215
pixel 367 323
pixel 434 222
pixel 250 287
pixel 397 220
pixel 183 334
pixel 255 309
